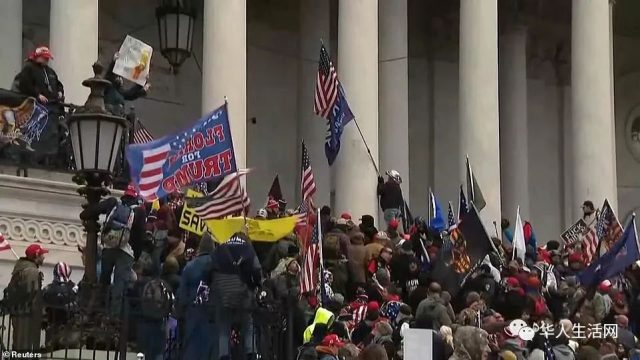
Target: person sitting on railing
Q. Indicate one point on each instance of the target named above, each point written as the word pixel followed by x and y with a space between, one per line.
pixel 37 79
pixel 115 95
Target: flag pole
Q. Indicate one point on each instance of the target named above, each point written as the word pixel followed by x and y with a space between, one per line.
pixel 373 162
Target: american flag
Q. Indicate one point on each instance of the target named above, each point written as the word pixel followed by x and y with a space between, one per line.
pixel 302 214
pixel 4 244
pixel 608 227
pixel 452 222
pixel 228 198
pixel 308 183
pixel 463 208
pixel 312 264
pixel 327 85
pixel 590 241
pixel 141 135
pixel 151 173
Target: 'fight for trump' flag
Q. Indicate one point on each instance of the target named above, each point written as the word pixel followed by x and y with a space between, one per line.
pixel 201 153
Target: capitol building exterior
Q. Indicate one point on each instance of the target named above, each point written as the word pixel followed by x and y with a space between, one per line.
pixel 542 95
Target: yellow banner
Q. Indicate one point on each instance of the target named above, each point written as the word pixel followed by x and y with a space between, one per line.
pixel 259 230
pixel 189 220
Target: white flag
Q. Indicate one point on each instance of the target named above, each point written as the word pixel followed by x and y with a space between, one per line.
pixel 519 246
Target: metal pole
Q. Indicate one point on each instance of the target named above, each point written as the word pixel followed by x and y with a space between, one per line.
pixel 375 166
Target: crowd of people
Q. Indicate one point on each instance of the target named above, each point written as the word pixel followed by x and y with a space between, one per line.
pixel 375 287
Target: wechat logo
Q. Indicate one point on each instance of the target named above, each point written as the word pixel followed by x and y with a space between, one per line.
pixel 521 329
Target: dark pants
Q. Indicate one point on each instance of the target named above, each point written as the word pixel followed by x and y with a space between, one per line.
pixel 151 338
pixel 226 319
pixel 118 263
pixel 200 334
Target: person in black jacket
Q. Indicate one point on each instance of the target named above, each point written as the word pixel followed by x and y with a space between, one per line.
pixel 118 260
pixel 391 200
pixel 115 95
pixel 38 80
pixel 235 276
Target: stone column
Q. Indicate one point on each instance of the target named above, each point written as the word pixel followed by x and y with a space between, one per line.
pixel 73 41
pixel 514 164
pixel 355 176
pixel 314 26
pixel 224 66
pixel 479 125
pixel 393 92
pixel 593 152
pixel 10 41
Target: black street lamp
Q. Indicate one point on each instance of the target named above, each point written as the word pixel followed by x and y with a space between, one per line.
pixel 175 30
pixel 96 136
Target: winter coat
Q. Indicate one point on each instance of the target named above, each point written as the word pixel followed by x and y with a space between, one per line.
pixel 563 352
pixel 340 275
pixel 372 251
pixel 321 323
pixel 37 79
pixel 115 96
pixel 390 195
pixel 342 239
pixel 469 343
pixel 416 296
pixel 236 273
pixel 357 261
pixel 432 310
pixel 196 271
pixel 25 300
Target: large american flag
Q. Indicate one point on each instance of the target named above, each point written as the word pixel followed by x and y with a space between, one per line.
pixel 308 183
pixel 608 227
pixel 141 135
pixel 228 198
pixel 327 85
pixel 151 173
pixel 312 264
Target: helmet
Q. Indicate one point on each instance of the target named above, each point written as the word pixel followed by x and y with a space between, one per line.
pixel 395 175
pixel 262 213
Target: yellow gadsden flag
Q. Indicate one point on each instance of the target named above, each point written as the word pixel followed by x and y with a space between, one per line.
pixel 259 230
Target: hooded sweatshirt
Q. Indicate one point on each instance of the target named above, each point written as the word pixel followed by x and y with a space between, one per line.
pixel 470 343
pixel 323 320
pixel 432 309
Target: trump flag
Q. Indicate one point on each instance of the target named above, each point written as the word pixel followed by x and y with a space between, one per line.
pixel 201 153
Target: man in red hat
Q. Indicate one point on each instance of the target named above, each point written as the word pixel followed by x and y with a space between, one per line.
pixel 37 79
pixel 23 293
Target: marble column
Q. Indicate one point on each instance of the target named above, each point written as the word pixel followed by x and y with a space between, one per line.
pixel 514 163
pixel 593 153
pixel 10 41
pixel 393 91
pixel 73 34
pixel 224 66
pixel 355 176
pixel 478 100
pixel 314 26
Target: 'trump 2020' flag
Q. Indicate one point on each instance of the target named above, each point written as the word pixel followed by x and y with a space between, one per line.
pixel 201 153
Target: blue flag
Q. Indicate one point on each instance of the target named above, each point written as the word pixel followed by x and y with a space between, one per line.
pixel 437 221
pixel 201 153
pixel 622 254
pixel 338 119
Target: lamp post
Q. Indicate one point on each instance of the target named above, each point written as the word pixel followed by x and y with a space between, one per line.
pixel 96 136
pixel 175 30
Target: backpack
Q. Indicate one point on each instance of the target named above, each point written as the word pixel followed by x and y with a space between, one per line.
pixel 156 300
pixel 307 352
pixel 117 228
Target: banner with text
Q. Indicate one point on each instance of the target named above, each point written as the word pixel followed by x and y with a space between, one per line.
pixel 201 153
pixel 190 220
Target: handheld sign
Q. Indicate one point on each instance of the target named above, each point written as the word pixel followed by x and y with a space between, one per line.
pixel 134 60
pixel 575 232
pixel 190 220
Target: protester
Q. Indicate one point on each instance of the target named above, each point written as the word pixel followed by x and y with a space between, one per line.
pixel 24 297
pixel 37 79
pixel 115 95
pixel 390 193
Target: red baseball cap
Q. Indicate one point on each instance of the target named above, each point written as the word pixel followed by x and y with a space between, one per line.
pixel 131 191
pixel 35 250
pixel 332 340
pixel 346 216
pixel 393 224
pixel 43 52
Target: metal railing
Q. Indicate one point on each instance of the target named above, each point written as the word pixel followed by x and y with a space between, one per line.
pixel 53 151
pixel 83 325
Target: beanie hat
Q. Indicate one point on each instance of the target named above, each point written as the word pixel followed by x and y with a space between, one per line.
pixel 393 224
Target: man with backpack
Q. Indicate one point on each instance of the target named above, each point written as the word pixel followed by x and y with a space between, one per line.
pixel 235 276
pixel 123 235
pixel 24 299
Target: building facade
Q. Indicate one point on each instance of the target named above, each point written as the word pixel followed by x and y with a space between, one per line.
pixel 542 96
